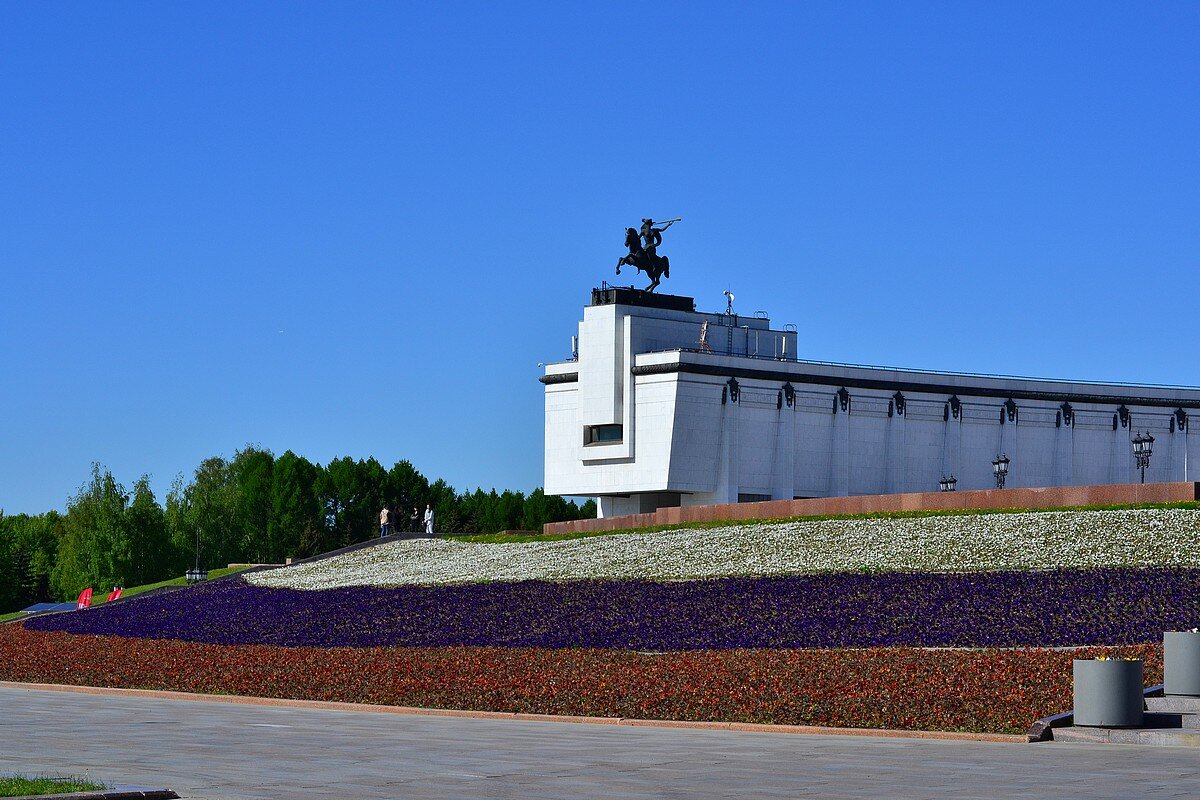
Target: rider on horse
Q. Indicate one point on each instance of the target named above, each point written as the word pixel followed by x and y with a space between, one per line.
pixel 652 236
pixel 643 251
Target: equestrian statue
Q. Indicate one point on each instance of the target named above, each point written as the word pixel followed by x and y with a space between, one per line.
pixel 643 251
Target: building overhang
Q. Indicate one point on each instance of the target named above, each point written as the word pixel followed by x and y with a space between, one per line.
pixel 890 379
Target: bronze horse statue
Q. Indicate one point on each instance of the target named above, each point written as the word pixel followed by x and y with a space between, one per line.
pixel 654 265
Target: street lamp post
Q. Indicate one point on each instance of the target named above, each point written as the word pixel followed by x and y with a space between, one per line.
pixel 1143 445
pixel 195 574
pixel 1000 469
pixel 947 484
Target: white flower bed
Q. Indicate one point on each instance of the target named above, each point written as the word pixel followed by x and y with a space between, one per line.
pixel 1148 537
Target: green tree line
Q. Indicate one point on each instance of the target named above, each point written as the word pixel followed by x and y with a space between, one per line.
pixel 253 508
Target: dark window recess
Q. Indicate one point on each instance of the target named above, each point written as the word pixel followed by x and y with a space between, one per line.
pixel 603 434
pixel 753 498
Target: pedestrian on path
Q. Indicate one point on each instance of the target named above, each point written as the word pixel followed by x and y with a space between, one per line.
pixel 428 519
pixel 384 526
pixel 414 521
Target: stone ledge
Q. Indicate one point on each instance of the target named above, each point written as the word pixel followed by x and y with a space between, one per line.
pixel 1160 720
pixel 118 793
pixel 1051 497
pixel 1161 737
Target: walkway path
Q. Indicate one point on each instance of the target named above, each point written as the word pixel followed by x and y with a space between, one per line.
pixel 216 750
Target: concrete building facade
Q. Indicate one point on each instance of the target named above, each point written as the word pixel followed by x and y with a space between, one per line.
pixel 666 406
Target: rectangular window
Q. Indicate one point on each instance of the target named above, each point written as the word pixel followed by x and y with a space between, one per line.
pixel 753 498
pixel 603 434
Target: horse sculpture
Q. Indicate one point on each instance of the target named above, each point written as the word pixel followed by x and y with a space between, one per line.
pixel 656 266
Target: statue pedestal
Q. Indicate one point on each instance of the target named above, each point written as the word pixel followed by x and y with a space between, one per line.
pixel 629 296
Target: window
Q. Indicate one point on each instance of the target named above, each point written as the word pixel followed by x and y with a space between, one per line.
pixel 753 498
pixel 603 434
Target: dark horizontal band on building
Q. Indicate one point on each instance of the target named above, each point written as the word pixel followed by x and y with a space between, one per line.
pixel 561 377
pixel 902 386
pixel 906 386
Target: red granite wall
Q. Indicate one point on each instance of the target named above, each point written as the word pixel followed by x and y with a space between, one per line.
pixel 1050 497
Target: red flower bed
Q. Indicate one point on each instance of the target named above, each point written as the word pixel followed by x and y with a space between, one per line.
pixel 989 690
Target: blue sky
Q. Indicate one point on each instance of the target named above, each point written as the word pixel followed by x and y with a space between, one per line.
pixel 355 228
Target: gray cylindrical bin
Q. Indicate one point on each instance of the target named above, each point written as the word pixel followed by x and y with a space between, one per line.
pixel 1108 694
pixel 1181 662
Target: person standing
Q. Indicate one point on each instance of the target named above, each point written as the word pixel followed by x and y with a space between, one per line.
pixel 414 521
pixel 428 519
pixel 384 526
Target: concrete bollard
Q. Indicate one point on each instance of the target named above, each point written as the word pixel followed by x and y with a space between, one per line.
pixel 1108 693
pixel 1181 662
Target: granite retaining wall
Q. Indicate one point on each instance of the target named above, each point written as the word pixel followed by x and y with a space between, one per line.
pixel 1049 497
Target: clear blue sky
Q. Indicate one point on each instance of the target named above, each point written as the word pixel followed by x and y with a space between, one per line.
pixel 355 229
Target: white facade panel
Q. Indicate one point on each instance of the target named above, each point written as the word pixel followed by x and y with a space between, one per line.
pixel 728 419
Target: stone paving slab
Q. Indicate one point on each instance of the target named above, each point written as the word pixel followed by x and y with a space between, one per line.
pixel 1174 704
pixel 1161 736
pixel 237 751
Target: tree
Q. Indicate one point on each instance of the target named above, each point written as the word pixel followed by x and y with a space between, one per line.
pixel 373 482
pixel 295 526
pixel 250 473
pixel 352 493
pixel 536 510
pixel 28 551
pixel 9 577
pixel 407 488
pixel 445 503
pixel 253 508
pixel 95 549
pixel 181 529
pixel 210 505
pixel 341 500
pixel 150 547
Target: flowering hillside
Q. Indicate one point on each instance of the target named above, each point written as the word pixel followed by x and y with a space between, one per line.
pixel 896 687
pixel 937 622
pixel 950 543
pixel 993 609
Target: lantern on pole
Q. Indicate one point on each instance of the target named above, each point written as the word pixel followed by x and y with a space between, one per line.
pixel 1143 447
pixel 1000 469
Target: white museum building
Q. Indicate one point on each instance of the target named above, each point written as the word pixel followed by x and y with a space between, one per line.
pixel 663 405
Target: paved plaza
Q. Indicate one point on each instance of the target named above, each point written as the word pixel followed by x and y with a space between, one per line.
pixel 218 750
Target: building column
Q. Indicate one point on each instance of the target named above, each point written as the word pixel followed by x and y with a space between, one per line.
pixel 1178 427
pixel 839 467
pixel 785 453
pixel 1187 439
pixel 604 507
pixel 1064 447
pixel 1120 465
pixel 954 418
pixel 897 480
pixel 727 470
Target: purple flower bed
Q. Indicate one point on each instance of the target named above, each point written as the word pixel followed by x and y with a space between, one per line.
pixel 997 609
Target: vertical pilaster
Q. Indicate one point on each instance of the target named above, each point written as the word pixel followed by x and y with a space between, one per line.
pixel 1120 458
pixel 785 452
pixel 727 472
pixel 897 476
pixel 1064 446
pixel 1179 430
pixel 840 449
pixel 954 417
